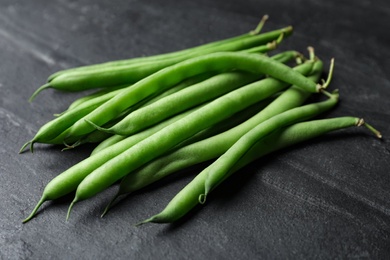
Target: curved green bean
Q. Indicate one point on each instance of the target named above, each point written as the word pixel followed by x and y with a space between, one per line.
pixel 218 171
pixel 188 197
pixel 270 35
pixel 107 76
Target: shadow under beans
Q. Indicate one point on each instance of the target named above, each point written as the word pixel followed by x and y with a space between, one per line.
pixel 233 185
pixel 56 204
pixel 181 177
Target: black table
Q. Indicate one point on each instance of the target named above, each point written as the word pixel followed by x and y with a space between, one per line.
pixel 328 198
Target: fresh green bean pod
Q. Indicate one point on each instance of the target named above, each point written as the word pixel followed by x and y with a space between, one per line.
pixel 165 78
pixel 188 197
pixel 107 76
pixel 107 143
pixel 164 55
pixel 89 97
pixel 219 169
pixel 267 37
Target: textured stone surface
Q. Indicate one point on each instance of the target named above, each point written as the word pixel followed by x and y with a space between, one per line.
pixel 329 198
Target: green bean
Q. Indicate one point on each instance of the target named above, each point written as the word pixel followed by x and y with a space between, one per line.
pixel 108 142
pixel 256 31
pixel 286 56
pixel 107 76
pixel 218 171
pixel 271 35
pixel 96 94
pixel 169 76
pixel 188 197
pixel 68 180
pixel 168 137
pixel 214 146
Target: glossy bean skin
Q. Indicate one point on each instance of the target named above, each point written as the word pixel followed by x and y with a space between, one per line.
pixel 213 130
pixel 167 138
pixel 283 57
pixel 68 180
pixel 108 143
pixel 218 171
pixel 232 44
pixel 180 101
pixel 56 131
pixel 165 78
pixel 108 76
pixel 188 197
pixel 49 131
pixel 228 123
pixel 214 146
pixel 94 95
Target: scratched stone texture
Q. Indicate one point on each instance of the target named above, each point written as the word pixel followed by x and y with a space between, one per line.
pixel 325 199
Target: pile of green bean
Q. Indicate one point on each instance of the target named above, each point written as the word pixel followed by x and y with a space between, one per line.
pixel 227 103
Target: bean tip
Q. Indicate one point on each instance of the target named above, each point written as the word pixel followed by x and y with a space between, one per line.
pixel 202 198
pixel 149 220
pixel 361 122
pixel 109 205
pixel 330 75
pixel 36 92
pixel 70 209
pixel 31 143
pixel 260 26
pixel 34 212
pixel 311 51
pixel 70 146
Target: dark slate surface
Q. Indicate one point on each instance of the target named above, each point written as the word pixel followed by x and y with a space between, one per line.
pixel 329 198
